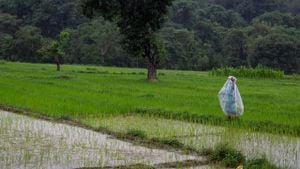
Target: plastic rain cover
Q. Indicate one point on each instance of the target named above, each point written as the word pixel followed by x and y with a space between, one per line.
pixel 230 98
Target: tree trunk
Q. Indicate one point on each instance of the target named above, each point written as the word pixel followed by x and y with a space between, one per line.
pixel 57 66
pixel 152 71
pixel 151 62
pixel 56 59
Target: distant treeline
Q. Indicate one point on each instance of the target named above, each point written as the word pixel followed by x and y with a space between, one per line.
pixel 199 34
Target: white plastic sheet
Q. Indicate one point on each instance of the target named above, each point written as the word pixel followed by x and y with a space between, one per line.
pixel 230 99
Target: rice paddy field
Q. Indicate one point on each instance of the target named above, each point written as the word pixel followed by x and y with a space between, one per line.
pixel 182 106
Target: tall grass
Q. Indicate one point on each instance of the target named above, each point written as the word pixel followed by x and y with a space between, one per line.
pixel 257 72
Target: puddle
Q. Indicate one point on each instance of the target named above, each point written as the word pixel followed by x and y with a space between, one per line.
pixel 31 143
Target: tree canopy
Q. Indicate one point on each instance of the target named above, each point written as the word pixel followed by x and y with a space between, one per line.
pixel 185 34
pixel 138 21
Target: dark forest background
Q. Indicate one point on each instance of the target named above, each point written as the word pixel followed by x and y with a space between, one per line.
pixel 198 34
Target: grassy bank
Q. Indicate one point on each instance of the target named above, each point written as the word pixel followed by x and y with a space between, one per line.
pixel 89 91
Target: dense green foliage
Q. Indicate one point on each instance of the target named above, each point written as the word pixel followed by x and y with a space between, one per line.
pixel 139 22
pixel 198 35
pixel 84 91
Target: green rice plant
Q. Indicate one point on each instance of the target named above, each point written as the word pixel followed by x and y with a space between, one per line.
pixel 270 105
pixel 259 164
pixel 227 155
pixel 171 142
pixel 260 126
pixel 91 69
pixel 161 74
pixel 147 95
pixel 136 133
pixel 257 72
pixel 64 77
pixel 64 117
pixel 187 116
pixel 136 166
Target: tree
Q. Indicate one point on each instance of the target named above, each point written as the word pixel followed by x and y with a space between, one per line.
pixel 210 36
pixel 249 9
pixel 22 9
pixel 183 12
pixel 55 49
pixel 27 41
pixel 228 4
pixel 226 18
pixel 8 23
pixel 51 16
pixel 234 48
pixel 182 49
pixel 277 50
pixel 96 42
pixel 138 22
pixel 6 43
pixel 294 6
pixel 276 18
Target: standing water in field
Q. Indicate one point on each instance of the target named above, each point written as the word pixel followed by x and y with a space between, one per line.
pixel 30 143
pixel 230 98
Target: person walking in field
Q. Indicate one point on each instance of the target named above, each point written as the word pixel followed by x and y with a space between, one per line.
pixel 230 99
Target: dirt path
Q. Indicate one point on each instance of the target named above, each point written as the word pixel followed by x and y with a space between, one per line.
pixel 31 143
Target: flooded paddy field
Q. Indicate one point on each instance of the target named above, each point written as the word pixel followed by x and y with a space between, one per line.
pixel 281 150
pixel 31 143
